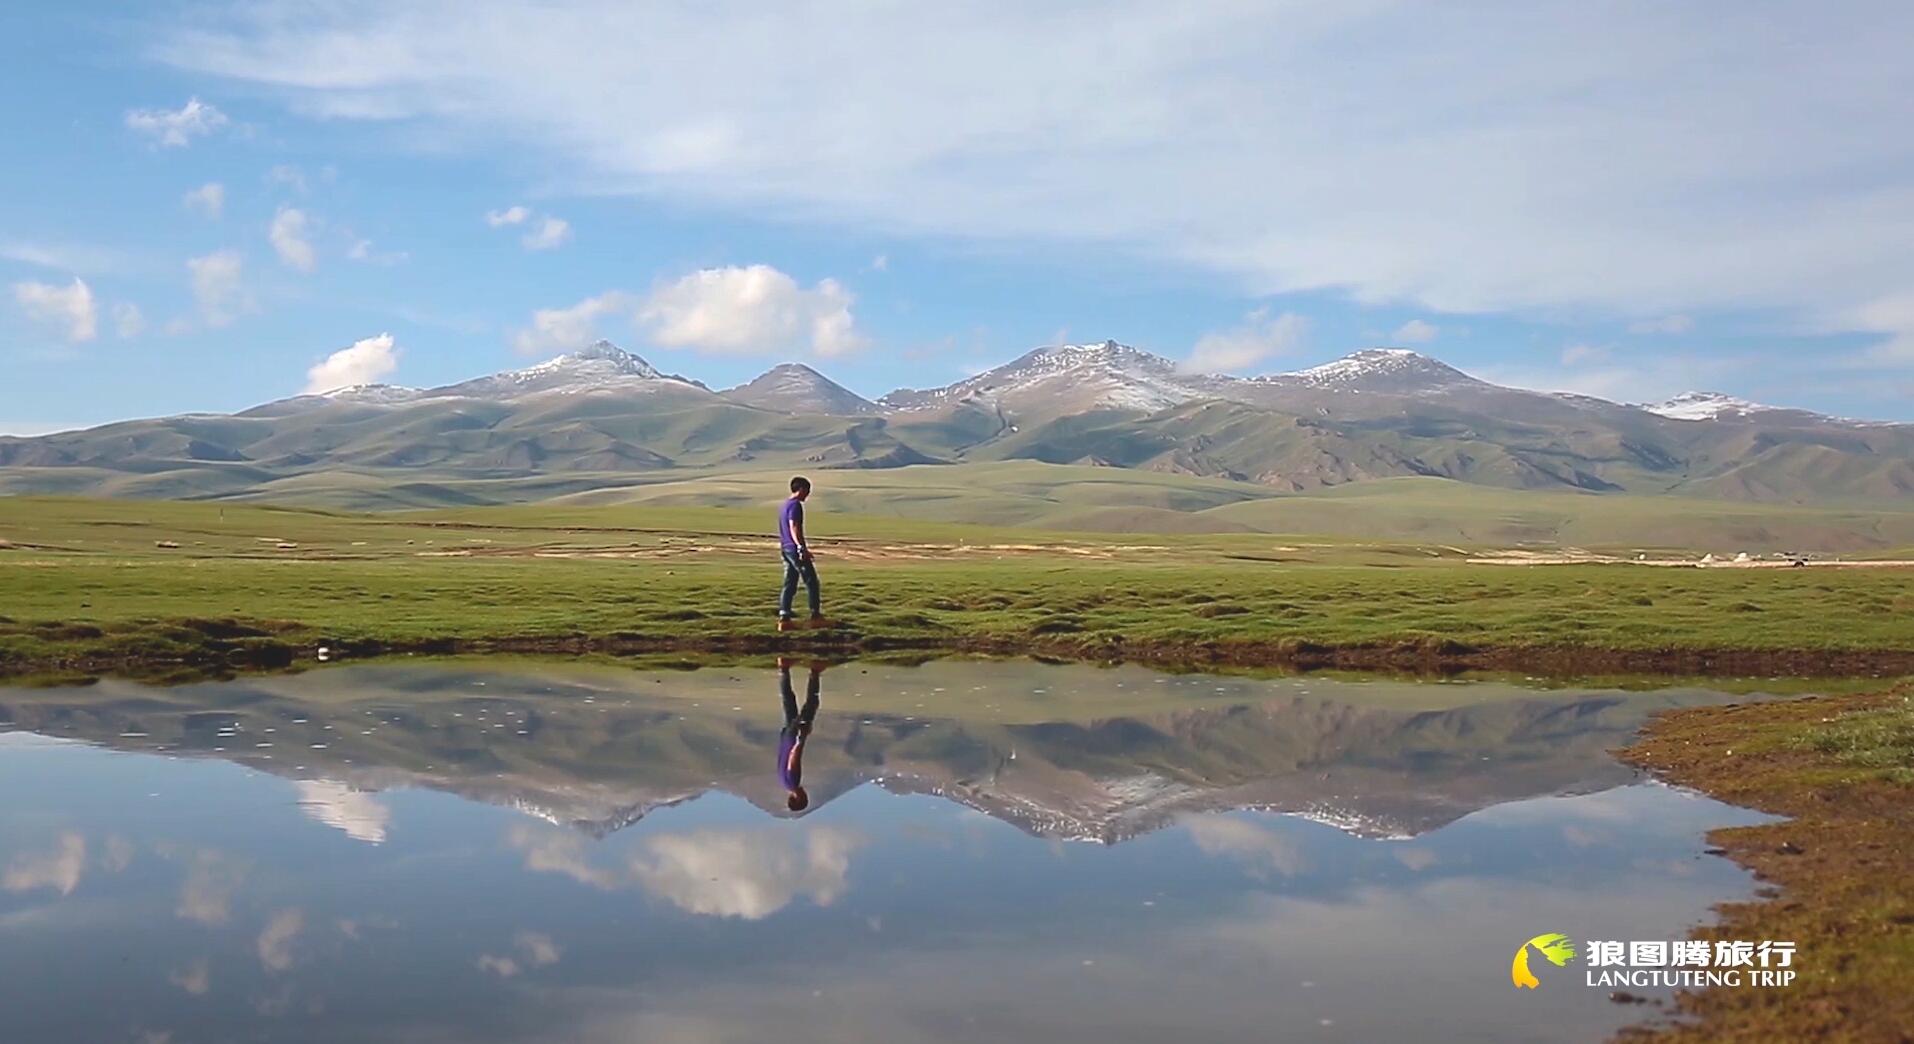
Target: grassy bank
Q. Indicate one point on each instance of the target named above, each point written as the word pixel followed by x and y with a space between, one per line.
pixel 105 584
pixel 1841 867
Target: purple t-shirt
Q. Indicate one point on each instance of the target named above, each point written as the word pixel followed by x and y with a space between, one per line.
pixel 792 513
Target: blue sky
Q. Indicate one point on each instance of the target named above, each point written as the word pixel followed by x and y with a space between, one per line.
pixel 1629 202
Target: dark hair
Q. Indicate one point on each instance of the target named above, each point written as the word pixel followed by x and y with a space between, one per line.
pixel 800 484
pixel 797 800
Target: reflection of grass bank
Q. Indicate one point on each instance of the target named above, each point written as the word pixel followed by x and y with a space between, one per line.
pixel 1842 767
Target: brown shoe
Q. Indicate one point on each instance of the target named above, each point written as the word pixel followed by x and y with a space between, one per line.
pixel 785 623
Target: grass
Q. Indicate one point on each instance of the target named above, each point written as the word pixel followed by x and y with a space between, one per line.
pixel 150 580
pixel 1840 868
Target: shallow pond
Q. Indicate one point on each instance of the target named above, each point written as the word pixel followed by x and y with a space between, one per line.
pixel 474 850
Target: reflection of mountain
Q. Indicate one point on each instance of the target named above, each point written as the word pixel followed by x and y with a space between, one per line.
pixel 600 756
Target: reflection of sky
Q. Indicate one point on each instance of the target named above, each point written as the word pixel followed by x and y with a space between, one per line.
pixel 202 900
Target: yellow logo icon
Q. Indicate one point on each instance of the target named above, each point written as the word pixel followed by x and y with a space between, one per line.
pixel 1555 946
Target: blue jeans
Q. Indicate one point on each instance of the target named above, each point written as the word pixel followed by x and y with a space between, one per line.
pixel 798 567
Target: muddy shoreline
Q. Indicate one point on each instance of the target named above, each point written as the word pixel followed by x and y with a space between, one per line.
pixel 218 654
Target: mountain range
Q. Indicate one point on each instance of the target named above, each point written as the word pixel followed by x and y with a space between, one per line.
pixel 1377 413
pixel 598 753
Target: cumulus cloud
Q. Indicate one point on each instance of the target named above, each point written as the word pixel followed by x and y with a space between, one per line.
pixel 512 215
pixel 208 199
pixel 1260 336
pixel 290 234
pixel 218 286
pixel 128 320
pixel 335 804
pixel 751 310
pixel 60 868
pixel 1415 331
pixel 68 309
pixel 176 128
pixel 549 234
pixel 276 939
pixel 563 329
pixel 1662 159
pixel 747 874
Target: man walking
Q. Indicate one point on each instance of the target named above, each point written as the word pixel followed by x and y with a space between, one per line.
pixel 797 557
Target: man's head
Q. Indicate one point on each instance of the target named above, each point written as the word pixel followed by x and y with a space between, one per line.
pixel 797 800
pixel 800 487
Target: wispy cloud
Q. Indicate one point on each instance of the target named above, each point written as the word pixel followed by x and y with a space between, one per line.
pixel 1415 331
pixel 549 233
pixel 1259 337
pixel 218 281
pixel 208 199
pixel 290 234
pixel 1653 161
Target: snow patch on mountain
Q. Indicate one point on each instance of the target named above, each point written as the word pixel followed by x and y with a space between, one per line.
pixel 372 394
pixel 601 367
pixel 1107 375
pixel 1698 405
pixel 1379 369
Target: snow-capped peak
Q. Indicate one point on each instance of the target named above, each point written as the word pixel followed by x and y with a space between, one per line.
pixel 1397 367
pixel 371 394
pixel 601 358
pixel 1082 376
pixel 1700 405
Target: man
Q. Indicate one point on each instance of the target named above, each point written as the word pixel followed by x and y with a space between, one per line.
pixel 797 729
pixel 797 557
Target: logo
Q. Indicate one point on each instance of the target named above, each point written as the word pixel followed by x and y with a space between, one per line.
pixel 1555 946
pixel 1651 963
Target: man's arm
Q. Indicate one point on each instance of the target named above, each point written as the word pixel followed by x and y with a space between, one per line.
pixel 797 531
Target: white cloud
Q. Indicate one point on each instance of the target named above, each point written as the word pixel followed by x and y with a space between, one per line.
pixel 1259 337
pixel 881 263
pixel 59 868
pixel 208 199
pixel 1415 331
pixel 1667 324
pixel 69 309
pixel 748 874
pixel 219 287
pixel 128 320
pixel 557 852
pixel 65 257
pixel 550 234
pixel 1659 159
pixel 290 235
pixel 363 362
pixel 752 310
pixel 512 215
pixel 176 128
pixel 563 329
pixel 538 951
pixel 275 941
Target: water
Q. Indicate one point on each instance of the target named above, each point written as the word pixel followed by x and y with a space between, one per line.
pixel 479 851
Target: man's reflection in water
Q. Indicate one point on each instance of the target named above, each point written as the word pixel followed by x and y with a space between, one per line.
pixel 797 729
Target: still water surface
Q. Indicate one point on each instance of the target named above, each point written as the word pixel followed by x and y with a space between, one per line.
pixel 473 850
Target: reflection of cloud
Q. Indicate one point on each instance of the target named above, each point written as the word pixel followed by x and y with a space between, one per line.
pixel 117 854
pixel 1260 848
pixel 358 814
pixel 550 851
pixel 1415 858
pixel 207 894
pixel 59 869
pixel 745 873
pixel 503 967
pixel 538 950
pixel 195 978
pixel 275 943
